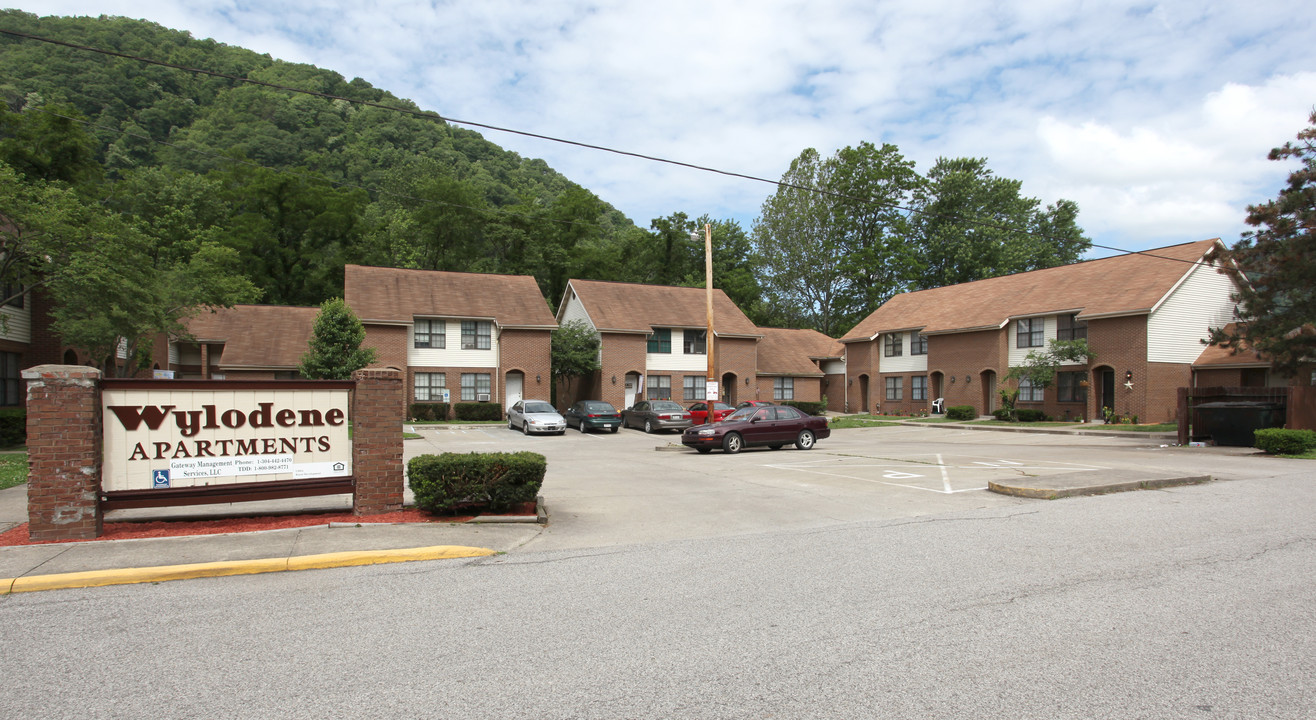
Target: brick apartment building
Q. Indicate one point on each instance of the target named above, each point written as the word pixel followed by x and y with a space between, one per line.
pixel 244 342
pixel 1143 315
pixel 457 337
pixel 653 343
pixel 801 365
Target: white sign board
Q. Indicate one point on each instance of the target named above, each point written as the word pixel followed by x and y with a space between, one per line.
pixel 167 437
pixel 710 390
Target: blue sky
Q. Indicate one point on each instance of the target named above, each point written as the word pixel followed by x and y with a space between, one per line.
pixel 1155 117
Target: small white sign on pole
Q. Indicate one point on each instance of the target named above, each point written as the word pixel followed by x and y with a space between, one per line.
pixel 710 390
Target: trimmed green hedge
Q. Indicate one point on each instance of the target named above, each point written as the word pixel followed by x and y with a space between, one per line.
pixel 494 480
pixel 479 411
pixel 429 411
pixel 1279 441
pixel 811 408
pixel 1021 415
pixel 13 427
pixel 961 412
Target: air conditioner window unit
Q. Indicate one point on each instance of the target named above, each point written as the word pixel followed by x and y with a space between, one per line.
pixel 482 397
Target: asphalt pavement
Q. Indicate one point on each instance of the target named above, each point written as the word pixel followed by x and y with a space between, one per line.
pixel 105 562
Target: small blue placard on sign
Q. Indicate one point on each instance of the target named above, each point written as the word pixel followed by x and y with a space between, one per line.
pixel 159 478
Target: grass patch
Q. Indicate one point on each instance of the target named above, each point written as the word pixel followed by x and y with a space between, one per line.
pixel 1309 455
pixel 13 470
pixel 455 422
pixel 1007 423
pixel 862 421
pixel 410 436
pixel 936 420
pixel 1154 427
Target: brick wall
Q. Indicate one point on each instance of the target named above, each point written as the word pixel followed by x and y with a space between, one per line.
pixel 738 357
pixel 622 353
pixel 834 389
pixel 964 357
pixel 64 452
pixel 858 362
pixel 530 352
pixel 390 344
pixel 1120 345
pixel 377 415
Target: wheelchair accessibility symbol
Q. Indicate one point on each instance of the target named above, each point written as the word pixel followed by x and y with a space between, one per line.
pixel 159 478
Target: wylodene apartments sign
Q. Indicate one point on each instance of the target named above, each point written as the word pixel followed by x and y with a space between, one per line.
pixel 171 437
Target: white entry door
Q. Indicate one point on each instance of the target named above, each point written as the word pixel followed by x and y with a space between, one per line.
pixel 632 389
pixel 513 384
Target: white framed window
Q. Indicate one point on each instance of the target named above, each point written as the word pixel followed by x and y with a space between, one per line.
pixel 695 385
pixel 918 343
pixel 895 344
pixel 658 387
pixel 660 341
pixel 477 335
pixel 474 385
pixel 429 386
pixel 1029 332
pixel 918 387
pixel 696 342
pixel 1028 392
pixel 430 334
pixel 895 388
pixel 783 388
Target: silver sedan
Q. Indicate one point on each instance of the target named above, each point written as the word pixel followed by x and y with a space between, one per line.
pixel 535 416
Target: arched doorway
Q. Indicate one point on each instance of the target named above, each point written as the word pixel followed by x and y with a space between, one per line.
pixel 514 385
pixel 863 394
pixel 988 380
pixel 936 386
pixel 632 388
pixel 1103 379
pixel 70 357
pixel 728 390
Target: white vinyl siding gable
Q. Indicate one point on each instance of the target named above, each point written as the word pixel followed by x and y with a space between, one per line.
pixel 575 310
pixel 18 322
pixel 677 359
pixel 1180 322
pixel 1018 354
pixel 452 355
pixel 901 363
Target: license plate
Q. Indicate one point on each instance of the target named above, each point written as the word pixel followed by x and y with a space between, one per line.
pixel 678 417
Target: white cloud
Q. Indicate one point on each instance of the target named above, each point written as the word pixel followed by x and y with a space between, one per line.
pixel 1155 118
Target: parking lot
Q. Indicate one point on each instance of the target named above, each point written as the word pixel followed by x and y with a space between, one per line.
pixel 607 489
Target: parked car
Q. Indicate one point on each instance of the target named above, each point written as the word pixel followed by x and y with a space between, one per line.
pixel 535 416
pixel 699 412
pixel 593 415
pixel 775 426
pixel 655 415
pixel 753 403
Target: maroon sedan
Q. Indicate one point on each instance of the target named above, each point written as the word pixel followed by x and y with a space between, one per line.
pixel 699 412
pixel 775 426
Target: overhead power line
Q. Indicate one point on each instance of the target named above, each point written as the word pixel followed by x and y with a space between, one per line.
pixel 433 116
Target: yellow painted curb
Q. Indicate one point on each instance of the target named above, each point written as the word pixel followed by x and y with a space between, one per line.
pixel 162 573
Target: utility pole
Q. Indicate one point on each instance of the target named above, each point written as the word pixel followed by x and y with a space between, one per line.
pixel 710 386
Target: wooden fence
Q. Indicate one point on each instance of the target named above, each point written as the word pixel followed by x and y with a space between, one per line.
pixel 1297 401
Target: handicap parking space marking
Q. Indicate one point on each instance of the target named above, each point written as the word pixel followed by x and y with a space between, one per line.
pixel 905 472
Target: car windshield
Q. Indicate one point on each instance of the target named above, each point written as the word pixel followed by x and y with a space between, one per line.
pixel 599 407
pixel 667 407
pixel 721 406
pixel 744 413
pixel 539 407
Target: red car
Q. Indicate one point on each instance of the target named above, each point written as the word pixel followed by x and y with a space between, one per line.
pixel 699 412
pixel 753 403
pixel 774 426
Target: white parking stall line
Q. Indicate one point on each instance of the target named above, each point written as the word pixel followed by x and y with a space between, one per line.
pixel 945 474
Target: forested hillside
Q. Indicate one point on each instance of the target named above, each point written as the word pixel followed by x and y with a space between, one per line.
pixel 298 185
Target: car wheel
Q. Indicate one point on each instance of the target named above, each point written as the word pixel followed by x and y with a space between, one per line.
pixel 732 443
pixel 648 426
pixel 775 446
pixel 615 428
pixel 525 428
pixel 510 426
pixel 805 440
pixel 582 427
pixel 704 451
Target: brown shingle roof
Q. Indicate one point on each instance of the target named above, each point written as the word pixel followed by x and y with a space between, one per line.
pixel 257 336
pixel 395 295
pixel 1215 355
pixel 790 352
pixel 1124 284
pixel 628 307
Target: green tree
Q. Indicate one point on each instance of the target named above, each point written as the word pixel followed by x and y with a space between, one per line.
pixel 972 224
pixel 574 351
pixel 1040 367
pixel 335 350
pixel 1277 295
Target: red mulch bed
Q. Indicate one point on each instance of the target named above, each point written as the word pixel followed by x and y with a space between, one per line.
pixel 219 526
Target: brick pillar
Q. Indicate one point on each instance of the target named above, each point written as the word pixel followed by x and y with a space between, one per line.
pixel 377 415
pixel 63 452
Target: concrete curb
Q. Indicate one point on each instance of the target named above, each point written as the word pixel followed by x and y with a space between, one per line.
pixel 128 576
pixel 1056 493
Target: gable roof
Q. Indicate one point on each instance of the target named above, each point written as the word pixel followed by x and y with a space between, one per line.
pixel 1221 357
pixel 791 352
pixel 1129 284
pixel 396 295
pixel 257 336
pixel 630 307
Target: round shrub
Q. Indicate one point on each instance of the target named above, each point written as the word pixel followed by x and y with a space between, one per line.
pixel 1279 441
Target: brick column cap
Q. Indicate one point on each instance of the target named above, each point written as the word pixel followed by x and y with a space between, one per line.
pixel 61 372
pixel 377 374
